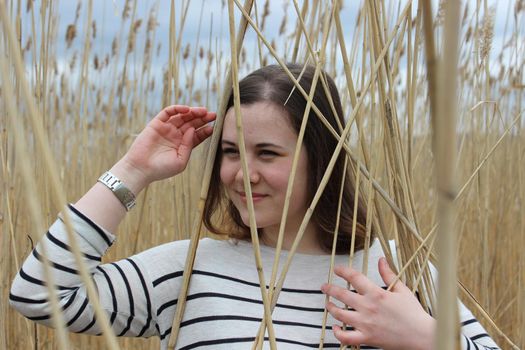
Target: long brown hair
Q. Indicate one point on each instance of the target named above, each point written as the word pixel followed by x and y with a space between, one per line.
pixel 271 84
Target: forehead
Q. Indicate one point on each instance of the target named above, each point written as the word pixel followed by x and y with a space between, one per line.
pixel 260 120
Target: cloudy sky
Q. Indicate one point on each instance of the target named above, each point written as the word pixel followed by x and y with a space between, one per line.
pixel 206 24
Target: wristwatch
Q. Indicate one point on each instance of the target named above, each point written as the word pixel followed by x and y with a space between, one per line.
pixel 124 194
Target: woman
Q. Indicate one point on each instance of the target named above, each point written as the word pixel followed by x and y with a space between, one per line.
pixel 224 307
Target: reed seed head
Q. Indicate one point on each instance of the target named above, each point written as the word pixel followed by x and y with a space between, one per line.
pixel 487 33
pixel 71 33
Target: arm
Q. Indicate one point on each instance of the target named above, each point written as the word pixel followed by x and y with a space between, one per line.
pixel 391 319
pixel 160 151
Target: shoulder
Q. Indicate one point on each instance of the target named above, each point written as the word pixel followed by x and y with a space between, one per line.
pixel 172 255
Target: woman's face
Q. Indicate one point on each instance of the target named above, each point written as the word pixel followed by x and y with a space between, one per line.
pixel 270 145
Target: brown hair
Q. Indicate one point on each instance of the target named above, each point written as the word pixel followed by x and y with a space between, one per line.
pixel 272 84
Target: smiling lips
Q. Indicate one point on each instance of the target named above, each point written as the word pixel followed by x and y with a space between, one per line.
pixel 256 196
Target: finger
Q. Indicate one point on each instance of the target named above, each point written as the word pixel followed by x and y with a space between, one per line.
pixel 360 282
pixel 198 111
pixel 341 314
pixel 169 111
pixel 202 134
pixel 342 294
pixel 210 116
pixel 390 276
pixel 353 337
pixel 194 123
pixel 190 119
pixel 184 149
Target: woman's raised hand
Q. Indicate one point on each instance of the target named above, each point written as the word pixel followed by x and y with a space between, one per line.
pixel 388 319
pixel 163 148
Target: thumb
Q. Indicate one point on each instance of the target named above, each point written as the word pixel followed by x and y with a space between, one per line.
pixel 389 276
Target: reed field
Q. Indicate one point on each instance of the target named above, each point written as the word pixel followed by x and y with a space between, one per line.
pixel 80 79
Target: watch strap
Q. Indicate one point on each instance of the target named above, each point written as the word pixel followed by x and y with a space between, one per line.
pixel 123 193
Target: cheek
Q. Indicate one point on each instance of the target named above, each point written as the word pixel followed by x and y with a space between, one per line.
pixel 226 172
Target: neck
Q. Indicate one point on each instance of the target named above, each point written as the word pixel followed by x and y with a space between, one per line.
pixel 309 243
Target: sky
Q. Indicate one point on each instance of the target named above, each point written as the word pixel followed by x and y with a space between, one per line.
pixel 206 22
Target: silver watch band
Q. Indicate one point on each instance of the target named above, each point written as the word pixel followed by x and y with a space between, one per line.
pixel 124 194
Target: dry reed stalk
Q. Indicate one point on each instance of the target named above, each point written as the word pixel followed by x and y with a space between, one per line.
pixel 56 192
pixel 196 229
pixel 258 340
pixel 29 183
pixel 445 115
pixel 353 98
pixel 503 164
pixel 334 245
pixel 376 185
pixel 297 39
pixel 394 149
pixel 246 179
pixel 430 54
pixel 9 217
pixel 301 28
pixel 291 178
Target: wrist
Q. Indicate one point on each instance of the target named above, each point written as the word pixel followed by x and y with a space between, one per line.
pixel 425 340
pixel 134 179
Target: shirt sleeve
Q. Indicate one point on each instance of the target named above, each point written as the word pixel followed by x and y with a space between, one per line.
pixel 473 335
pixel 124 289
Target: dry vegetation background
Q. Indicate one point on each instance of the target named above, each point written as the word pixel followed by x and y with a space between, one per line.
pixel 93 93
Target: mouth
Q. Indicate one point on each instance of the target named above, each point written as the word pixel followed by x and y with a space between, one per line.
pixel 257 197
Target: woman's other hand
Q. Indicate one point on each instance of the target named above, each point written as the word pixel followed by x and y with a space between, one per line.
pixel 388 319
pixel 163 148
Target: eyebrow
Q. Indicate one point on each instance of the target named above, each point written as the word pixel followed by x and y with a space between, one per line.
pixel 259 145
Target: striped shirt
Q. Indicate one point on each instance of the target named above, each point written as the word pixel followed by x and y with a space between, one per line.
pixel 224 305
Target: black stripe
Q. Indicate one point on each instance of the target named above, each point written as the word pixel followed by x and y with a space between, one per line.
pixel 55 265
pixel 130 298
pixel 166 305
pixel 70 300
pixel 243 318
pixel 251 339
pixel 42 301
pixel 128 326
pixel 79 312
pixel 235 297
pixel 468 342
pixel 250 319
pixel 113 298
pixel 68 248
pixel 92 224
pixel 233 279
pixel 39 282
pixel 478 336
pixel 248 300
pixel 85 329
pixel 467 322
pixel 218 341
pixel 146 293
pixel 39 318
pixel 167 277
pixel 16 298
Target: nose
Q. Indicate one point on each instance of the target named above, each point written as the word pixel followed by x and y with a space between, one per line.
pixel 252 171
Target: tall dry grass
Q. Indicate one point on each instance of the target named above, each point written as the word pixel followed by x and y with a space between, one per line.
pixel 93 93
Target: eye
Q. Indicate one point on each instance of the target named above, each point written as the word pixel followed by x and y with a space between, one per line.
pixel 230 151
pixel 265 153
